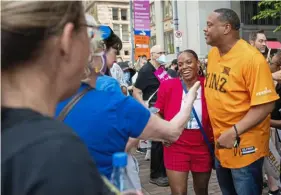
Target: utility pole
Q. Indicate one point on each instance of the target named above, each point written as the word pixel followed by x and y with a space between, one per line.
pixel 132 32
pixel 176 21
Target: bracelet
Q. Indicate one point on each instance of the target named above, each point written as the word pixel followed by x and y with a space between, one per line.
pixel 235 128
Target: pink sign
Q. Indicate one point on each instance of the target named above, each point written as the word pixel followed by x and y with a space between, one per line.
pixel 162 74
pixel 141 15
pixel 142 26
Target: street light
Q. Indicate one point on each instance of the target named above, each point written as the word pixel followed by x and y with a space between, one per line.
pixel 132 32
pixel 176 22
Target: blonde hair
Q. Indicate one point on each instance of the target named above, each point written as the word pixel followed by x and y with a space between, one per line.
pixel 25 25
pixel 96 46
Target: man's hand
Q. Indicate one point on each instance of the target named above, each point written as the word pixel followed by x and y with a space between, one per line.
pixel 227 139
pixel 192 94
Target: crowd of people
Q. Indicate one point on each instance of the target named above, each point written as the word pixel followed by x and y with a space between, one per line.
pixel 69 103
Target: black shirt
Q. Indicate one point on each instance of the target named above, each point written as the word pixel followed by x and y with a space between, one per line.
pixel 276 115
pixel 147 81
pixel 172 73
pixel 42 156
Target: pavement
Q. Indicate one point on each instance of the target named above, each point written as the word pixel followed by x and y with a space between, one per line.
pixel 151 189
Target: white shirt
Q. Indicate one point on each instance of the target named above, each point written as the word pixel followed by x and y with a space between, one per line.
pixel 134 78
pixel 192 123
pixel 117 73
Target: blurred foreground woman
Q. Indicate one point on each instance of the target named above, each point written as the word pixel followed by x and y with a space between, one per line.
pixel 45 48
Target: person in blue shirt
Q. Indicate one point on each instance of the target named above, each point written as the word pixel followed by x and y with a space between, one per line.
pixel 105 120
pixel 107 83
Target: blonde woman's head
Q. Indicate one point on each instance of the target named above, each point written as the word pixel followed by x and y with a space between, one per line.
pixel 97 47
pixel 47 36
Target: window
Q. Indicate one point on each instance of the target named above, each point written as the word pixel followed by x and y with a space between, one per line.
pixel 115 14
pixel 152 13
pixel 152 41
pixel 169 42
pixel 250 9
pixel 124 14
pixel 125 32
pixel 167 9
pixel 126 53
pixel 116 29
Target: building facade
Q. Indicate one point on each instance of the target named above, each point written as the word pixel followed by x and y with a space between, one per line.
pixel 116 14
pixel 192 17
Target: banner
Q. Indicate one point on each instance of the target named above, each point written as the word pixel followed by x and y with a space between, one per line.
pixel 142 51
pixel 142 15
pixel 272 161
pixel 141 28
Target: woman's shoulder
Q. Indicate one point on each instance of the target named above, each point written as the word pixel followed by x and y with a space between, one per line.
pixel 171 83
pixel 50 145
pixel 107 83
pixel 38 130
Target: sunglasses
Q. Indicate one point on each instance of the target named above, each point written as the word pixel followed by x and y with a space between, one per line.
pixel 106 31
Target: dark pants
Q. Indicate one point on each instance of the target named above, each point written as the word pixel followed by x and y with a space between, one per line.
pixel 157 168
pixel 243 181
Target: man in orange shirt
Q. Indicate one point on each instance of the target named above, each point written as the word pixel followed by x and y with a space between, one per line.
pixel 240 95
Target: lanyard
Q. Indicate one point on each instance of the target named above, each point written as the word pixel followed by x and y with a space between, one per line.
pixel 200 124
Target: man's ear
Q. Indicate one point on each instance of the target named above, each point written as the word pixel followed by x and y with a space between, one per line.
pixel 252 42
pixel 227 29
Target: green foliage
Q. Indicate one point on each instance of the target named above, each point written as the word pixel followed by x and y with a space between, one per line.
pixel 269 9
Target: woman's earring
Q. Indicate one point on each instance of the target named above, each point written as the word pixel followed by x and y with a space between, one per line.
pixel 200 73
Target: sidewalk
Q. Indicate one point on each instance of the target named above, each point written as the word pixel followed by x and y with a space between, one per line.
pixel 150 189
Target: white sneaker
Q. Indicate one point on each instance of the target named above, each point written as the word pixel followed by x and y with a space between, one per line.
pixel 148 154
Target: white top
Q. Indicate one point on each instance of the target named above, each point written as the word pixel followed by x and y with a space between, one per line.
pixel 192 123
pixel 134 78
pixel 117 73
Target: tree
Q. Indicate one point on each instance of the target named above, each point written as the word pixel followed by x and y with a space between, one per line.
pixel 269 9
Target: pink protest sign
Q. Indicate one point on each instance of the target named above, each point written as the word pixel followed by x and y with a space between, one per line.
pixel 162 74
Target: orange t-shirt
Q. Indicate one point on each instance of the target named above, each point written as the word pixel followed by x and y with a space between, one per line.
pixel 235 82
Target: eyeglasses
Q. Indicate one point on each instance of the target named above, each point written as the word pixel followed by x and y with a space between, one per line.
pixel 106 31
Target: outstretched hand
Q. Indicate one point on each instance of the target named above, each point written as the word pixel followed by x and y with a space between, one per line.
pixel 191 95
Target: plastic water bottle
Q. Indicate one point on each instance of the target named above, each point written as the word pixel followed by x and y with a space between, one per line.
pixel 119 176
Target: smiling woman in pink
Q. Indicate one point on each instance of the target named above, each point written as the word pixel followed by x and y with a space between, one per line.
pixel 190 152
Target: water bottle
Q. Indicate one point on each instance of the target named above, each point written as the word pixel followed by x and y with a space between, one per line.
pixel 119 176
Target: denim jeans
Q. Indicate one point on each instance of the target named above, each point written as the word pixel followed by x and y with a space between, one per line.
pixel 243 181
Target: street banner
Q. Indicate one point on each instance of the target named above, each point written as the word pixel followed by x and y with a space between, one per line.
pixel 141 28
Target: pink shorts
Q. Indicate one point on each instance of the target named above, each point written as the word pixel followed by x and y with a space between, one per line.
pixel 189 153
